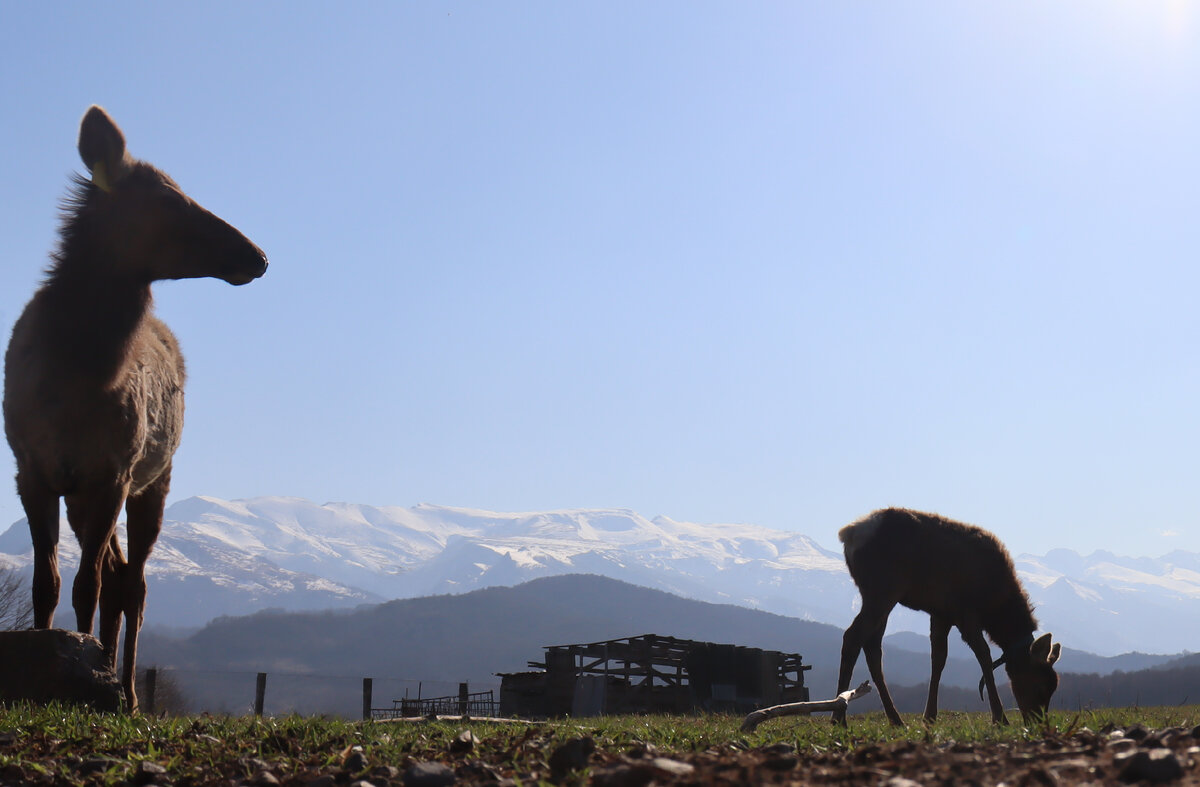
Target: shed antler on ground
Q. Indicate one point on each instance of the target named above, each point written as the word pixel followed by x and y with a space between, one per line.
pixel 839 703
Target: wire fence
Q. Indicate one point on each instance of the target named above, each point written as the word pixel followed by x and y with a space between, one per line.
pixel 176 691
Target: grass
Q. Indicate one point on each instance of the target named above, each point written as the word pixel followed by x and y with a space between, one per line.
pixel 58 744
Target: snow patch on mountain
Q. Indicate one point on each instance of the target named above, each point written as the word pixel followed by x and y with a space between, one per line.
pixel 218 557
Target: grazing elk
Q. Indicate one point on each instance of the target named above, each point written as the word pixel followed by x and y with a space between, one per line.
pixel 93 392
pixel 963 577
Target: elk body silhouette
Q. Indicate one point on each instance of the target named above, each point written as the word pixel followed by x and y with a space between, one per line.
pixel 93 394
pixel 964 578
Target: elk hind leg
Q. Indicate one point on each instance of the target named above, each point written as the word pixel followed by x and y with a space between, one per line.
pixel 873 651
pixel 93 517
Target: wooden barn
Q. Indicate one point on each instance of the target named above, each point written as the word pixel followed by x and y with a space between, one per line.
pixel 652 674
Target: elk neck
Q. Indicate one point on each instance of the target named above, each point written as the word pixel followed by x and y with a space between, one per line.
pixel 91 317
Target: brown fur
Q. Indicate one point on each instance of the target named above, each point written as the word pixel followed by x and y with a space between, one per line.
pixel 93 395
pixel 964 578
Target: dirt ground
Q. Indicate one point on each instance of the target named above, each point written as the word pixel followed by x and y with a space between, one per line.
pixel 1106 757
pixel 1123 756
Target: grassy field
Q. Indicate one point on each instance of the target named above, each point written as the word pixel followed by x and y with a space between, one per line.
pixel 58 745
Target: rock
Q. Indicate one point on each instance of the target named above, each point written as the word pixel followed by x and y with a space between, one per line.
pixel 45 665
pixel 643 749
pixel 428 774
pixel 264 778
pixel 672 768
pixel 781 763
pixel 465 741
pixel 385 773
pixel 571 756
pixel 623 776
pixel 149 773
pixel 1038 777
pixel 1154 765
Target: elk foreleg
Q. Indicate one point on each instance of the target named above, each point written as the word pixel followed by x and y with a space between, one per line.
pixel 873 651
pixel 144 521
pixel 41 509
pixel 939 632
pixel 974 638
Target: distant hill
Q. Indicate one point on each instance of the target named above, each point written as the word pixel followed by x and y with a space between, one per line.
pixel 441 640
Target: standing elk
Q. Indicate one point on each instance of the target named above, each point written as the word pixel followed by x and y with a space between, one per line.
pixel 963 577
pixel 93 392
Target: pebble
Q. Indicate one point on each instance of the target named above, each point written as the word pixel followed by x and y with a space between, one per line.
pixel 97 765
pixel 1155 765
pixel 779 749
pixel 321 780
pixel 465 741
pixel 356 762
pixel 428 774
pixel 900 781
pixel 621 776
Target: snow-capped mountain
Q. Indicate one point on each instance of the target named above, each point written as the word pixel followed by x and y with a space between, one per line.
pixel 218 557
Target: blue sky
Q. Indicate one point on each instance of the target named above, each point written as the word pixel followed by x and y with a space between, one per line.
pixel 779 263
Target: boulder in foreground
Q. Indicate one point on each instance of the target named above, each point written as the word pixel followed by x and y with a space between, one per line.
pixel 45 665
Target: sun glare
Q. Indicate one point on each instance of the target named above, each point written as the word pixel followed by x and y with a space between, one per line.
pixel 1177 17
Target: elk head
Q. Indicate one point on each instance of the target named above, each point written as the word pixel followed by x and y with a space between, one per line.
pixel 146 225
pixel 1030 668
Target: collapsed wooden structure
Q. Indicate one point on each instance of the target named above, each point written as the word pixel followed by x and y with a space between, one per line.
pixel 652 674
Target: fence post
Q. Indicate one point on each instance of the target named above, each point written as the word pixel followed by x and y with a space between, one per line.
pixel 151 680
pixel 462 699
pixel 367 699
pixel 260 694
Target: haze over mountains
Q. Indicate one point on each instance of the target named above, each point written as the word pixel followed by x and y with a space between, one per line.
pixel 218 557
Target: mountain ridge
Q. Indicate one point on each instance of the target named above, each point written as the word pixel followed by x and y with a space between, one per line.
pixel 445 639
pixel 218 557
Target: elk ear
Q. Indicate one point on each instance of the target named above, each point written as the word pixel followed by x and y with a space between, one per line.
pixel 1055 652
pixel 102 148
pixel 1039 651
